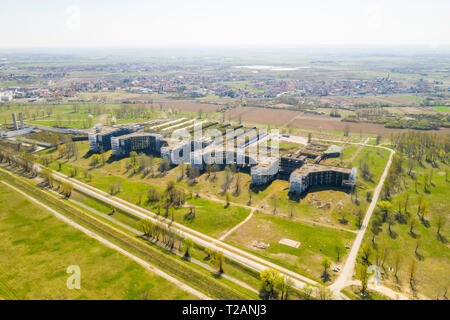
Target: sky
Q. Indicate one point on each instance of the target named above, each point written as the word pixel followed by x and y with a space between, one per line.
pixel 210 23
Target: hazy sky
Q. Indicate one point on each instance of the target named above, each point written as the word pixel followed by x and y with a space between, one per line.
pixel 139 23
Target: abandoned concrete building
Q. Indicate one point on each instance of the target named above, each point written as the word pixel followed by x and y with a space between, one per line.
pixel 315 175
pixel 100 138
pixel 136 141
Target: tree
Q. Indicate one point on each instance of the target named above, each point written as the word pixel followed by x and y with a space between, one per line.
pixel 378 140
pixel 338 250
pixel 418 245
pixel 366 252
pixel 164 165
pixel 385 206
pixel 412 224
pixel 326 265
pixel 284 287
pixel 47 176
pixel 412 275
pixel 441 220
pixel 324 293
pixel 307 292
pixel 390 221
pixel 153 195
pixel 374 230
pixel 188 243
pixel 227 199
pixel 218 259
pixel 363 276
pixel 270 279
pixel 359 216
pixel 423 211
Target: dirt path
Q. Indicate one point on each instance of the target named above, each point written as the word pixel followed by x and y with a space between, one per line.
pixel 358 151
pixel 109 244
pixel 237 226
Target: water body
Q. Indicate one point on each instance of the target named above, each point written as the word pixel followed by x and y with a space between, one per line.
pixel 270 68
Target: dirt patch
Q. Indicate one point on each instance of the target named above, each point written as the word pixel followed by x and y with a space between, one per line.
pixel 188 106
pixel 263 115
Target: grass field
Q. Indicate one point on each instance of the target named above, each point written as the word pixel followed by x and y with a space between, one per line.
pixel 316 242
pixel 442 109
pixel 37 248
pixel 433 254
pixel 193 275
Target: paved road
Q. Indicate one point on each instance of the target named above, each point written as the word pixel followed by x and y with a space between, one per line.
pixel 245 258
pixel 345 276
pixel 107 243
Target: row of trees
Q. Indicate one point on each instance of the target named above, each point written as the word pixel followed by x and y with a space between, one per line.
pixel 22 160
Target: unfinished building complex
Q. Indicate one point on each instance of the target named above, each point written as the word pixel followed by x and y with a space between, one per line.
pixel 315 175
pixel 184 141
pixel 100 138
pixel 265 171
pixel 136 141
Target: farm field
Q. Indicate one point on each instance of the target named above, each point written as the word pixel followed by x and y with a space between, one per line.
pixel 40 247
pixel 315 123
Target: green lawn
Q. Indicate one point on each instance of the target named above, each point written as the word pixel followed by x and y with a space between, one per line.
pixel 37 248
pixel 442 109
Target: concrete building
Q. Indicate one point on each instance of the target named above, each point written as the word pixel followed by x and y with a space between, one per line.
pixel 265 171
pixel 314 175
pixel 289 162
pixel 6 96
pixel 14 118
pixel 100 137
pixel 136 141
pixel 21 120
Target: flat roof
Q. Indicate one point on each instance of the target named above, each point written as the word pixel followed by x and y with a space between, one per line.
pixel 334 149
pixel 138 134
pixel 309 168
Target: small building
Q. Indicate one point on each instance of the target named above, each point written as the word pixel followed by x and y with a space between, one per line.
pixel 315 175
pixel 333 151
